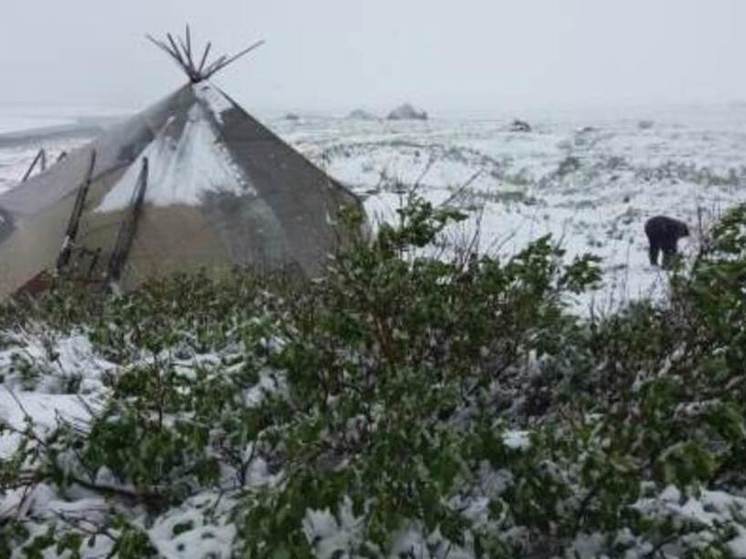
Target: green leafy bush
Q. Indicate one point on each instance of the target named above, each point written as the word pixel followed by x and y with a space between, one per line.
pixel 403 406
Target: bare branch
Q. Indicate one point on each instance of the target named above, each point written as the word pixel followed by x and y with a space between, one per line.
pixel 26 414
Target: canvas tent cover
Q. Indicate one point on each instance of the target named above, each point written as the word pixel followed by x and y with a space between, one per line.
pixel 221 191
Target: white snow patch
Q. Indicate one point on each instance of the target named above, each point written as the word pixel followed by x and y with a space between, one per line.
pixel 705 510
pixel 43 410
pixel 215 100
pixel 48 363
pixel 330 534
pixel 588 546
pixel 270 382
pixel 181 170
pixel 412 542
pixel 52 358
pixel 200 527
pixel 517 440
pixel 737 545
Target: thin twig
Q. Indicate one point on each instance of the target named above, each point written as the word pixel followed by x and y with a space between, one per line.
pixel 462 188
pixel 26 414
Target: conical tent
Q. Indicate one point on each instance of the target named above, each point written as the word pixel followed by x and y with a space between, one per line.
pixel 193 182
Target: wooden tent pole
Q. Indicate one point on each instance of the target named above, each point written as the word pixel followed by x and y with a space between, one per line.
pixel 189 49
pixel 212 68
pixel 232 59
pixel 128 228
pixel 204 58
pixel 177 53
pixel 182 52
pixel 75 215
pixel 40 156
pixel 189 64
pixel 165 48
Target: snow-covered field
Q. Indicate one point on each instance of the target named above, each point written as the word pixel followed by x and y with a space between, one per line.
pixel 10 123
pixel 591 178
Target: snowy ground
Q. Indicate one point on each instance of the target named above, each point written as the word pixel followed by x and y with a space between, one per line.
pixel 590 178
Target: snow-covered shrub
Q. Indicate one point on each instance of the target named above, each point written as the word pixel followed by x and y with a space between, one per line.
pixel 397 407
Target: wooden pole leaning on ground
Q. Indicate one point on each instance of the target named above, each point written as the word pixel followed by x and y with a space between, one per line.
pixel 128 228
pixel 75 215
pixel 41 158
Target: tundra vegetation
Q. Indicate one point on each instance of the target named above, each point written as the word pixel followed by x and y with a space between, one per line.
pixel 401 406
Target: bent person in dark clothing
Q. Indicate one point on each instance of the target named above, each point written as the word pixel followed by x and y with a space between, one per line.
pixel 663 234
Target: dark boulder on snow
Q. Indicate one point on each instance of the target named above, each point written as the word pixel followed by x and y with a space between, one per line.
pixel 520 126
pixel 292 117
pixel 407 112
pixel 645 124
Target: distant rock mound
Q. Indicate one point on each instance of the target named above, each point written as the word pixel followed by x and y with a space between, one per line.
pixel 520 126
pixel 645 124
pixel 360 114
pixel 407 112
pixel 292 117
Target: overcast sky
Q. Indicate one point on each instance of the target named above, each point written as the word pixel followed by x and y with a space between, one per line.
pixel 341 54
